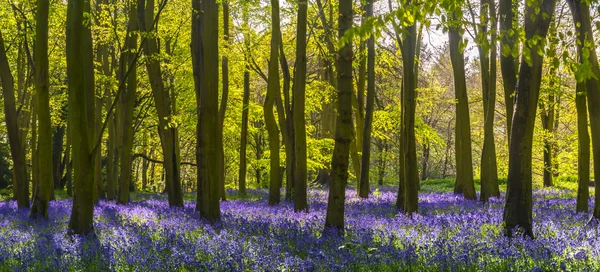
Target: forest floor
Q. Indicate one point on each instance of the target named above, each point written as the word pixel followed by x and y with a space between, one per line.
pixel 448 234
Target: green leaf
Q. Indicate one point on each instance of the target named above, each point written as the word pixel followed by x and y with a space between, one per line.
pixel 505 50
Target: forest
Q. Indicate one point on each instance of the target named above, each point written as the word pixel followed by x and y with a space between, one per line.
pixel 307 135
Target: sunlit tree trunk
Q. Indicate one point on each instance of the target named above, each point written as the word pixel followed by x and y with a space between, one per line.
pixel 344 126
pixel 272 90
pixel 127 103
pixel 464 163
pixel 245 104
pixel 160 94
pixel 487 56
pixel 509 64
pixel 368 124
pixel 224 97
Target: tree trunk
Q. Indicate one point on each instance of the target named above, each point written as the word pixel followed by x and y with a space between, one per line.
pixel 518 207
pixel 583 155
pixel 82 214
pixel 225 94
pixel 409 154
pixel 10 111
pixel 368 125
pixel 344 127
pixel 167 129
pixel 205 60
pixel 508 59
pixel 587 56
pixel 489 168
pixel 464 162
pixel 127 103
pixel 245 105
pixel 270 123
pixel 299 109
pixel 547 116
pixel 43 192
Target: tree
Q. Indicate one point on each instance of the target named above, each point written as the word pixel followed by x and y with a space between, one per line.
pixel 10 111
pixel 588 58
pixel 488 61
pixel 82 213
pixel 167 129
pixel 245 103
pixel 509 64
pixel 205 55
pixel 408 190
pixel 126 104
pixel 42 193
pixel 464 163
pixel 343 130
pixel 518 207
pixel 300 202
pixel 368 124
pixel 224 96
pixel 583 149
pixel 272 91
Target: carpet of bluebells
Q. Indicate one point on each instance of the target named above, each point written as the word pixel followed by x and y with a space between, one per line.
pixel 449 234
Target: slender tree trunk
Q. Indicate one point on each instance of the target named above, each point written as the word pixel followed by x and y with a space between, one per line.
pixel 225 94
pixel 509 64
pixel 489 168
pixel 127 103
pixel 10 111
pixel 587 56
pixel 299 105
pixel 518 207
pixel 368 125
pixel 245 105
pixel 35 172
pixel 583 155
pixel 167 130
pixel 272 90
pixel 547 116
pixel 344 127
pixel 464 163
pixel 205 60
